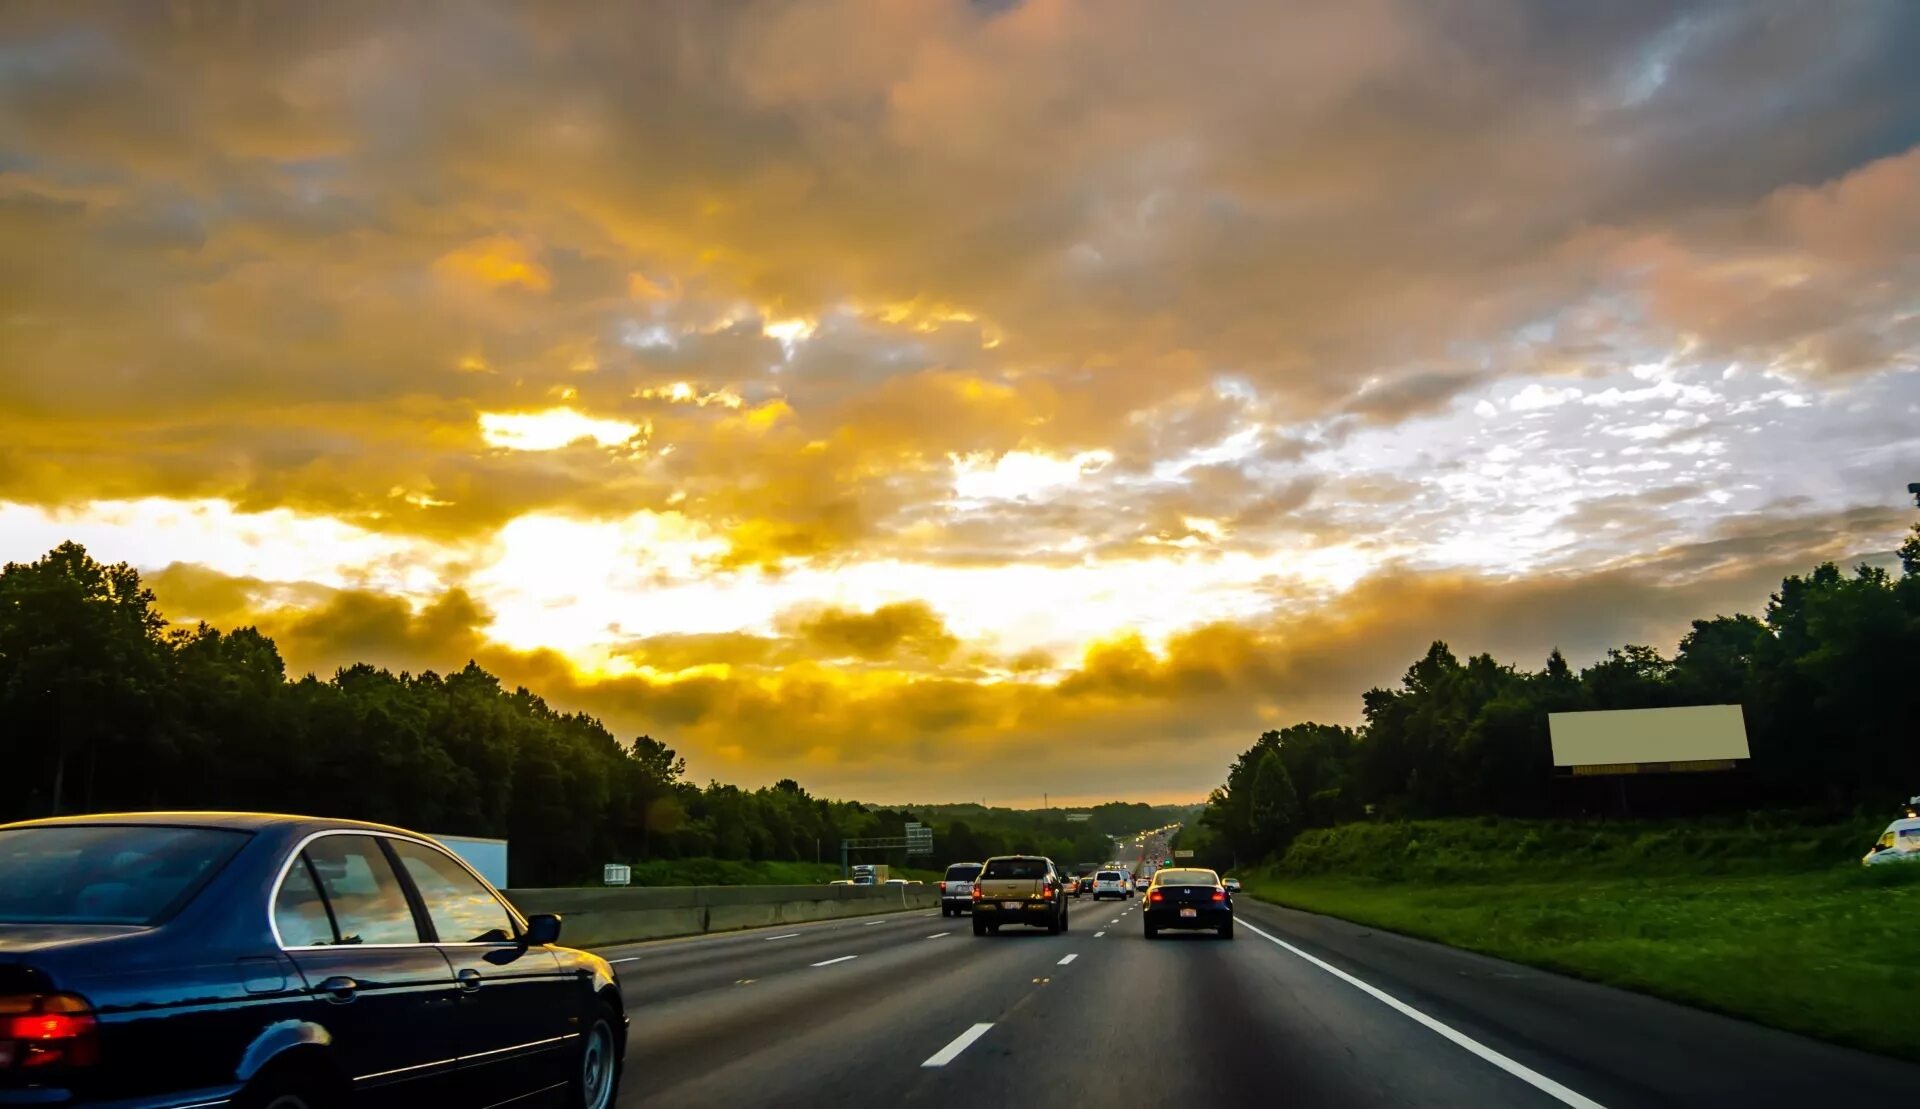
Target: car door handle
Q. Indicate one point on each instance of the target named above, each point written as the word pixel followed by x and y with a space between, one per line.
pixel 469 979
pixel 339 988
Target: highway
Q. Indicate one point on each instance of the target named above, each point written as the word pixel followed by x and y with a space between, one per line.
pixel 913 1009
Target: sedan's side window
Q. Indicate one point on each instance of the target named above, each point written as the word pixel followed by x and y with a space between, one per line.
pixel 461 908
pixel 299 913
pixel 369 905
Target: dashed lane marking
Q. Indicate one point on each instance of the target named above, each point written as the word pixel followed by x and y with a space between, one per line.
pixel 830 962
pixel 1065 959
pixel 959 1044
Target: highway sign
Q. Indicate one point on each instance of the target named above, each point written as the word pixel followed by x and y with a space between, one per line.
pixel 1183 854
pixel 919 839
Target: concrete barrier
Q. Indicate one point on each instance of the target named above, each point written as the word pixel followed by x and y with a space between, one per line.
pixel 596 917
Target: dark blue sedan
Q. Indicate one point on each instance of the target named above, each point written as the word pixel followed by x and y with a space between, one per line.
pixel 168 960
pixel 1188 898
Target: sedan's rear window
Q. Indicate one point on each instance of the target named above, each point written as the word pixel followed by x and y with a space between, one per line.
pixel 962 872
pixel 1188 878
pixel 1032 869
pixel 106 874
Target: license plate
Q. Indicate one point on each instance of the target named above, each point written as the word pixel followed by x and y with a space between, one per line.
pixel 1009 904
pixel 1189 912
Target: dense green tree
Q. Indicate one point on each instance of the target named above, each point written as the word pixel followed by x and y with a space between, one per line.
pixel 1824 676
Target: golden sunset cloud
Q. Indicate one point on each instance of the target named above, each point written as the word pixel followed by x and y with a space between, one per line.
pixel 860 392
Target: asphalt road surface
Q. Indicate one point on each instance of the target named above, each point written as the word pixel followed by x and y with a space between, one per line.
pixel 1296 1010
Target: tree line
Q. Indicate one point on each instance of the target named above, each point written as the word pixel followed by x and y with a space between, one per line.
pixel 106 706
pixel 1827 677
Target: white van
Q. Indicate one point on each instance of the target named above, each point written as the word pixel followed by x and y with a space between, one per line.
pixel 1900 843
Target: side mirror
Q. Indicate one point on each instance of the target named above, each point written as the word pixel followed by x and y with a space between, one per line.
pixel 542 929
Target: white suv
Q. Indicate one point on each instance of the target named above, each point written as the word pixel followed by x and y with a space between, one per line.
pixel 956 889
pixel 1111 883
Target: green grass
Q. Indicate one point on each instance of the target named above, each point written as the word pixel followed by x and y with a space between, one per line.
pixel 1742 925
pixel 731 872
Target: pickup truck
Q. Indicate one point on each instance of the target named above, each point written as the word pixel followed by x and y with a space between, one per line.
pixel 1020 889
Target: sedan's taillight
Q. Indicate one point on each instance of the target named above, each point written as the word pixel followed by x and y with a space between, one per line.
pixel 1219 894
pixel 47 1030
pixel 1156 895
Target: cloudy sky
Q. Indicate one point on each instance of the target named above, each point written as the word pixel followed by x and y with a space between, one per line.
pixel 944 400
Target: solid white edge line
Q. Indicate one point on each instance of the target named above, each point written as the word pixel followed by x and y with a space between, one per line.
pixel 788 936
pixel 1521 1071
pixel 1065 959
pixel 937 935
pixel 830 962
pixel 960 1043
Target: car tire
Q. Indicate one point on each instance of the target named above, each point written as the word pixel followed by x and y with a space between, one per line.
pixel 1063 918
pixel 1152 932
pixel 596 1069
pixel 1226 930
pixel 979 927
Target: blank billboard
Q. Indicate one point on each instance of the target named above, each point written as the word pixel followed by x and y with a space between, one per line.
pixel 1698 733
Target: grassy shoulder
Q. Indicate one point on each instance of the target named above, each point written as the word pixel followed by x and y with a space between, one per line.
pixel 1826 951
pixel 733 872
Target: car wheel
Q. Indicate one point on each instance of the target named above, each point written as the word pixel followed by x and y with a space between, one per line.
pixel 597 1069
pixel 1063 918
pixel 1152 932
pixel 1226 930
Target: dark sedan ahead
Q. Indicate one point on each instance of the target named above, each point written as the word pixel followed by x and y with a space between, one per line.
pixel 167 960
pixel 1188 898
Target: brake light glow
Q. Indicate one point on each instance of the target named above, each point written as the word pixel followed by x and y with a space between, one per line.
pixel 1156 895
pixel 1219 894
pixel 976 891
pixel 49 1029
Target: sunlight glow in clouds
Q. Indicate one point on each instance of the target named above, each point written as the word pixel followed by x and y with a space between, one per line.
pixel 1019 475
pixel 552 429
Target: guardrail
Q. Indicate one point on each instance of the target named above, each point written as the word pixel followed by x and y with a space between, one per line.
pixel 596 917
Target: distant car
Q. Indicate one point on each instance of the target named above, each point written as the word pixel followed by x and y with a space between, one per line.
pixel 895 882
pixel 841 882
pixel 1141 883
pixel 1188 897
pixel 1111 883
pixel 956 889
pixel 1019 889
pixel 1232 884
pixel 175 959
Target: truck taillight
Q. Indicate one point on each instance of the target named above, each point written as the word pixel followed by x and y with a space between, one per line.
pixel 976 891
pixel 47 1030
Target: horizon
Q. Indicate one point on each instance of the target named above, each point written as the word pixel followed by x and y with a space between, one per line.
pixel 960 396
